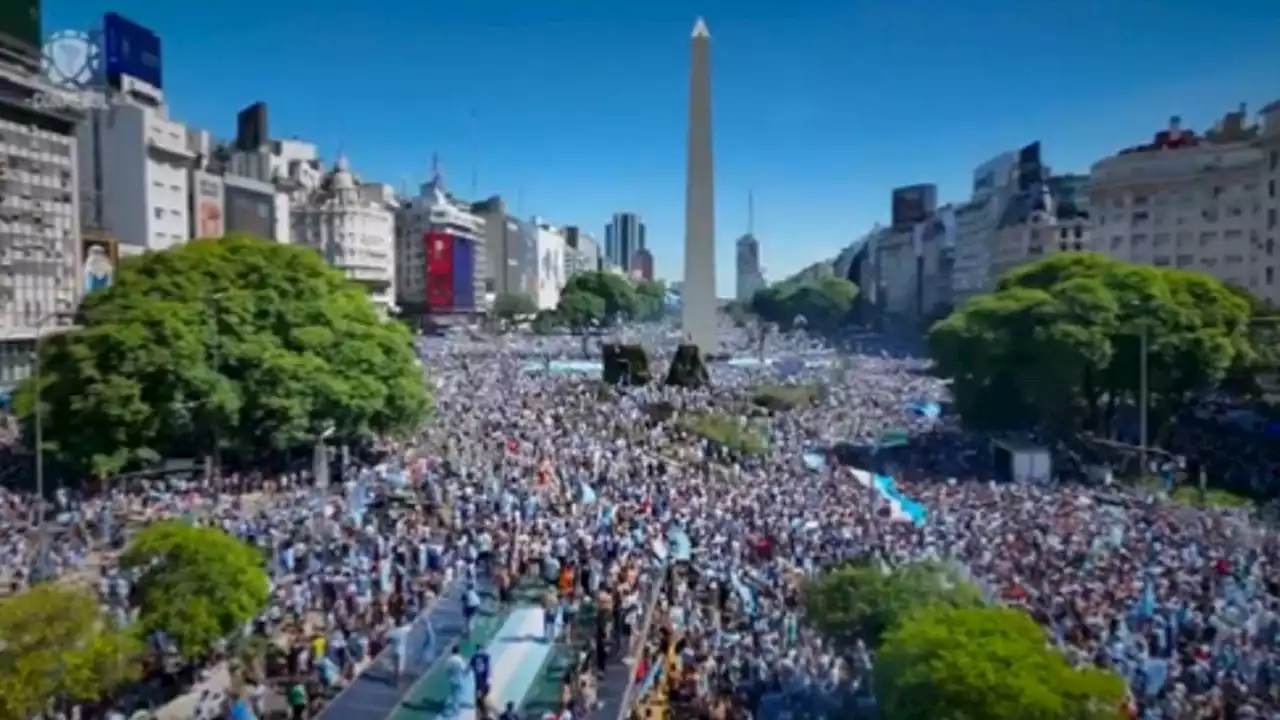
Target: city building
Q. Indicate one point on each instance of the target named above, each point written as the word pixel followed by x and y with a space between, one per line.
pixel 582 251
pixel 748 275
pixel 45 262
pixel 135 165
pixel 642 265
pixel 441 262
pixel 1042 220
pixel 1269 141
pixel 976 224
pixel 510 247
pixel 623 238
pixel 550 251
pixel 1193 201
pixel 352 232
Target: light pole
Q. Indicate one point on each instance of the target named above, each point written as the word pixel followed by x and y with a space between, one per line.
pixel 39 423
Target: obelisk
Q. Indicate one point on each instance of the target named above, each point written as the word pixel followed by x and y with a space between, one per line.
pixel 699 292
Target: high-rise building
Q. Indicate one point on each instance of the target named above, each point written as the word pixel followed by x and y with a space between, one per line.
pixel 624 236
pixel 45 262
pixel 550 248
pixel 582 250
pixel 748 276
pixel 642 265
pixel 442 266
pixel 699 297
pixel 353 233
pixel 510 249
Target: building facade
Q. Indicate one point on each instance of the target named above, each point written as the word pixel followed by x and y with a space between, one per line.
pixel 582 251
pixel 748 275
pixel 1193 201
pixel 642 265
pixel 1039 222
pixel 353 234
pixel 510 248
pixel 430 278
pixel 624 236
pixel 550 250
pixel 42 253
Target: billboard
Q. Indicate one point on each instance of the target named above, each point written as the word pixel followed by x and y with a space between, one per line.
pixel 207 193
pixel 99 257
pixel 913 204
pixel 130 49
pixel 249 212
pixel 438 247
pixel 20 29
pixel 464 274
pixel 1030 167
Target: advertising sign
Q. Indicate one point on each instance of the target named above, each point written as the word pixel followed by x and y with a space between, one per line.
pixel 99 257
pixel 132 50
pixel 439 270
pixel 208 192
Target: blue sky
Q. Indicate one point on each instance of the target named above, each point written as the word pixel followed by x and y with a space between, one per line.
pixel 820 107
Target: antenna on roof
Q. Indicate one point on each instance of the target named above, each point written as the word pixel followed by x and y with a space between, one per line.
pixel 475 161
pixel 435 169
pixel 751 213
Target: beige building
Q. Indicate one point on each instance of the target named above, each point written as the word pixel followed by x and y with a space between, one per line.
pixel 1042 221
pixel 1198 202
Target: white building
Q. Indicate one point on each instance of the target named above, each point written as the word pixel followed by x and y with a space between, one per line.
pixel 748 276
pixel 135 167
pixel 433 210
pixel 976 223
pixel 41 252
pixel 549 247
pixel 353 233
pixel 1193 201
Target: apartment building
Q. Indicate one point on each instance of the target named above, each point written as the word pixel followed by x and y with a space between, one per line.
pixel 1194 201
pixel 1042 220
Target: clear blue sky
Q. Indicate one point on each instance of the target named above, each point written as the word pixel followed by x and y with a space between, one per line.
pixel 820 106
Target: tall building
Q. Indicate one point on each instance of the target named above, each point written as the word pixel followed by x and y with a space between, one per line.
pixel 699 297
pixel 1269 141
pixel 624 236
pixel 642 265
pixel 441 263
pixel 748 274
pixel 582 250
pixel 1042 220
pixel 1193 201
pixel 550 248
pixel 510 249
pixel 45 262
pixel 354 233
pixel 977 222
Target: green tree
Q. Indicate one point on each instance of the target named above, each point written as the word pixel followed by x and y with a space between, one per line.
pixel 865 601
pixel 822 299
pixel 651 296
pixel 581 310
pixel 1059 343
pixel 728 431
pixel 259 344
pixel 57 644
pixel 509 306
pixel 985 663
pixel 198 585
pixel 620 298
pixel 545 322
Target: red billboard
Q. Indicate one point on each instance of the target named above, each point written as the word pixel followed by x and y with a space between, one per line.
pixel 438 247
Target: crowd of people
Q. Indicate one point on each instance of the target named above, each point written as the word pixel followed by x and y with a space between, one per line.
pixel 692 559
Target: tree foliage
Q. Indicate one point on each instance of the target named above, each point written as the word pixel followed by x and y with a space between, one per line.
pixel 651 300
pixel 823 300
pixel 985 663
pixel 864 601
pixel 198 585
pixel 730 432
pixel 259 344
pixel 1058 344
pixel 580 310
pixel 508 306
pixel 617 293
pixel 57 643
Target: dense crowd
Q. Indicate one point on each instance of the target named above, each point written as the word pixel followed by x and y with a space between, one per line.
pixel 694 558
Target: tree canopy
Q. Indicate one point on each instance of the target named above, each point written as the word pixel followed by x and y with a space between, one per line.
pixel 258 344
pixel 618 294
pixel 651 297
pixel 864 601
pixel 512 305
pixel 822 301
pixel 59 644
pixel 1058 343
pixel 987 663
pixel 580 310
pixel 198 585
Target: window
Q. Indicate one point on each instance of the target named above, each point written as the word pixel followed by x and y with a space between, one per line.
pixel 1208 238
pixel 1271 189
pixel 1186 260
pixel 1270 275
pixel 1162 261
pixel 1141 217
pixel 1079 232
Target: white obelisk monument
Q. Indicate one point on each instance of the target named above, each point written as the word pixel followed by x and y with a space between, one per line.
pixel 699 292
